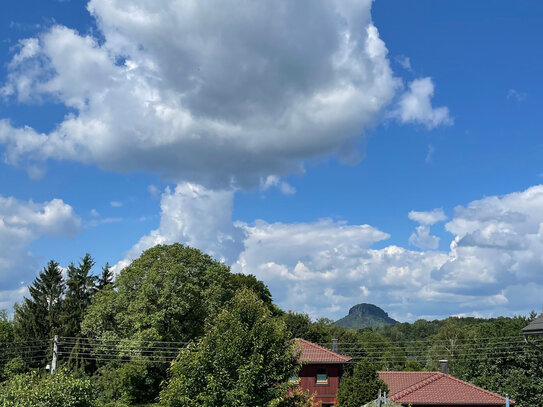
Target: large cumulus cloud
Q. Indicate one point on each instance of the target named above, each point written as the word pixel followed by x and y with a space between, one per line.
pixel 223 93
pixel 323 267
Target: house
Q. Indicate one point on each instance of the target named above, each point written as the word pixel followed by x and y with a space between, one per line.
pixel 437 389
pixel 321 371
pixel 534 328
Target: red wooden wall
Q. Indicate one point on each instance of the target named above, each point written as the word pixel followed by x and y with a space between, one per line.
pixel 324 392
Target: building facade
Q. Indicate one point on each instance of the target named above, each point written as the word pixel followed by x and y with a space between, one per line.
pixel 321 371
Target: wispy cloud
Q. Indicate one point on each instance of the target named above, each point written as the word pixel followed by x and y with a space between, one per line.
pixel 516 95
pixel 430 153
pixel 405 62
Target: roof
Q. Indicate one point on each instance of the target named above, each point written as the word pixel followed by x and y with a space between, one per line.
pixel 436 388
pixel 535 327
pixel 312 353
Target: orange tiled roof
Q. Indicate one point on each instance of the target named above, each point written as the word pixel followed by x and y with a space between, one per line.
pixel 436 388
pixel 312 353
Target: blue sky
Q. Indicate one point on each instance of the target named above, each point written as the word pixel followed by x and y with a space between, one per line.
pixel 291 142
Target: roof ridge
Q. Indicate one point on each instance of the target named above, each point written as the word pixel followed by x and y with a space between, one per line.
pixel 345 358
pixel 479 388
pixel 416 386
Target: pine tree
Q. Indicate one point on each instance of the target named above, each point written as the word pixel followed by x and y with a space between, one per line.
pixel 38 317
pixel 80 289
pixel 106 278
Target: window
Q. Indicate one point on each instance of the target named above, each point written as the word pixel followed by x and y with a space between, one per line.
pixel 322 376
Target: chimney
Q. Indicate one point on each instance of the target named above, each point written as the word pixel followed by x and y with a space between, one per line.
pixel 443 366
pixel 334 345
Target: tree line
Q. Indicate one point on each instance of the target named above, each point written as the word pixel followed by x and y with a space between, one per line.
pixel 177 328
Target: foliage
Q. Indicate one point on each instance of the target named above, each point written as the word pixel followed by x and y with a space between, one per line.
pixel 164 295
pixel 296 397
pixel 7 336
pixel 514 369
pixel 244 359
pixel 39 316
pixel 106 278
pixel 13 367
pixel 80 289
pixel 126 383
pixel 44 390
pixel 361 386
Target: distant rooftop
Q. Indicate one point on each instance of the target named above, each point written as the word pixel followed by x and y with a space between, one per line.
pixel 436 388
pixel 535 327
pixel 312 353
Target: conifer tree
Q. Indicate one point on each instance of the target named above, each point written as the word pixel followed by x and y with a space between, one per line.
pixel 81 286
pixel 39 316
pixel 80 289
pixel 106 278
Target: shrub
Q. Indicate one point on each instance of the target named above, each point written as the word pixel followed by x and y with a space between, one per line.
pixel 44 390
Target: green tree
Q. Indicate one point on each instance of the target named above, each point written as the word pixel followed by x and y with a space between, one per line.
pixel 497 362
pixel 80 289
pixel 126 383
pixel 39 316
pixel 166 295
pixel 360 387
pixel 37 319
pixel 298 324
pixel 8 352
pixel 105 279
pixel 244 359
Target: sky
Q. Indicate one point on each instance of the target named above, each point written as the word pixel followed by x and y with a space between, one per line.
pixel 342 151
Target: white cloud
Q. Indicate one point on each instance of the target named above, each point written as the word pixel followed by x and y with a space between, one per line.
pixel 274 181
pixel 195 216
pixel 21 223
pixel 324 267
pixel 405 62
pixel 428 217
pixel 422 238
pixel 209 92
pixel 415 106
pixel 116 204
pixel 514 94
pixel 312 267
pixel 103 221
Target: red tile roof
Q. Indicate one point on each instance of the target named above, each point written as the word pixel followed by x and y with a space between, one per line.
pixel 436 388
pixel 312 353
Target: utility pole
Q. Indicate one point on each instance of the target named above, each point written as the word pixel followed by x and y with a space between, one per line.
pixel 55 354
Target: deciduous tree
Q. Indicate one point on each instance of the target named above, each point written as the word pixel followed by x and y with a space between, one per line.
pixel 244 359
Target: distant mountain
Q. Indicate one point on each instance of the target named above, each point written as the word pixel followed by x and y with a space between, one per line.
pixel 364 316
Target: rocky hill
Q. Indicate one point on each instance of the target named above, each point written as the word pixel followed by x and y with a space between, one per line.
pixel 365 315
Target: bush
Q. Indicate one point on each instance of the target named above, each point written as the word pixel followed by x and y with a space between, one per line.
pixel 121 384
pixel 44 390
pixel 14 367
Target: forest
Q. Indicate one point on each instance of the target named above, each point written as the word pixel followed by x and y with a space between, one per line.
pixel 177 328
